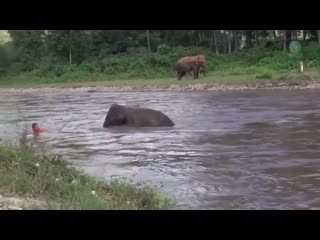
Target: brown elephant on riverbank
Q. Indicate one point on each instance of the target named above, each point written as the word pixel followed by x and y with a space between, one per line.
pixel 140 117
pixel 191 63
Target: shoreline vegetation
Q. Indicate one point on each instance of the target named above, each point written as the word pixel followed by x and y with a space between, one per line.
pixel 34 180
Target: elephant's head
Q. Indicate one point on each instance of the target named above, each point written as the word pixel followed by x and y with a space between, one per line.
pixel 201 60
pixel 115 116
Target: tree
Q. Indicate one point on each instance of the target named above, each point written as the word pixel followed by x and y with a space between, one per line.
pixel 248 40
pixel 69 44
pixel 229 36
pixel 30 46
pixel 4 37
pixel 148 39
pixel 236 40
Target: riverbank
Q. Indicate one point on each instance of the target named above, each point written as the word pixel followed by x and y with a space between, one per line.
pixel 92 88
pixel 216 81
pixel 30 180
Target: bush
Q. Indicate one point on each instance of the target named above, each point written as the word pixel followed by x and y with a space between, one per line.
pixel 87 66
pixel 311 51
pixel 139 50
pixel 164 49
pixel 264 76
pixel 277 61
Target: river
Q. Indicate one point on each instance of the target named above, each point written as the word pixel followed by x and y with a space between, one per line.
pixel 228 150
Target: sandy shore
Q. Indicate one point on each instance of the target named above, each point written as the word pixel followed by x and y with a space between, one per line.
pixel 173 88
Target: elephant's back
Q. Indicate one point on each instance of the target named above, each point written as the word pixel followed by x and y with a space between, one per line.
pixel 148 117
pixel 187 59
pixel 145 113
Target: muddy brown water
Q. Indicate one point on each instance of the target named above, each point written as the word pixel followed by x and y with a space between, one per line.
pixel 228 150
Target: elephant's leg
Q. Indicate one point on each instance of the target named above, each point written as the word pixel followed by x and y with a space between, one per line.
pixel 195 72
pixel 204 71
pixel 180 74
pixel 183 74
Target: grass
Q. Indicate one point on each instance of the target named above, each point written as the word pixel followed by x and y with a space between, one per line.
pixel 234 77
pixel 60 186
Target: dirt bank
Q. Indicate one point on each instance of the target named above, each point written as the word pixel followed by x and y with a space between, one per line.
pixel 289 85
pixel 13 202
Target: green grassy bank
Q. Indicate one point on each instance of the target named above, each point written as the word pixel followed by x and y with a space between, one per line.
pixel 212 79
pixel 59 186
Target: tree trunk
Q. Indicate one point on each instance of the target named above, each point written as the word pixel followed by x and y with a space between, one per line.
pixel 285 40
pixel 318 32
pixel 236 40
pixel 148 40
pixel 70 56
pixel 255 37
pixel 304 34
pixel 70 46
pixel 288 38
pixel 215 42
pixel 270 34
pixel 248 38
pixel 274 34
pixel 200 37
pixel 225 44
pixel 211 41
pixel 229 41
pixel 313 34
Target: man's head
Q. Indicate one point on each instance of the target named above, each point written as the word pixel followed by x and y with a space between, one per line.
pixel 35 128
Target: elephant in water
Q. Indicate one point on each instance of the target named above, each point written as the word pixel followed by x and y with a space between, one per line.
pixel 139 117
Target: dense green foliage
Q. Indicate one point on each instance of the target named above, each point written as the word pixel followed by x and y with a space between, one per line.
pixel 72 54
